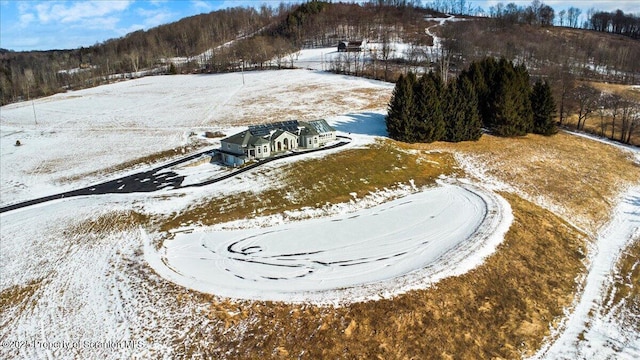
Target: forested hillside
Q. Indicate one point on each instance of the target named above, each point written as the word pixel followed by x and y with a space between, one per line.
pixel 216 42
pixel 41 73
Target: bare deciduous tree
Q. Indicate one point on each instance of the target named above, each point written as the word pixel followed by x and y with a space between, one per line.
pixel 587 100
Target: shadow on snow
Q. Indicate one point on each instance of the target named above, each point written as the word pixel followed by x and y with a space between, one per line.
pixel 367 123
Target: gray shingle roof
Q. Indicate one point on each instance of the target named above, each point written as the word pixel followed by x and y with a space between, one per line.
pixel 245 139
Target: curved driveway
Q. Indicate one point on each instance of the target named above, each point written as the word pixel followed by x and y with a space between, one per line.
pixel 152 180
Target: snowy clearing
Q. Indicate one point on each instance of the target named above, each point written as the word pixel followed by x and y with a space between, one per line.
pixel 407 243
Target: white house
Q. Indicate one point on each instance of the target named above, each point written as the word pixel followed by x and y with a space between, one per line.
pixel 263 141
pixel 314 134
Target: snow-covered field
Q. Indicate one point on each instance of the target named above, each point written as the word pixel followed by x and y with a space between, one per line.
pixel 406 243
pixel 81 270
pixel 90 131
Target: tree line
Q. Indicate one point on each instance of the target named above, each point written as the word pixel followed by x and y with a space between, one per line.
pixel 491 94
pixel 220 41
pixel 537 13
pixel 609 114
pixel 40 73
pixel 615 22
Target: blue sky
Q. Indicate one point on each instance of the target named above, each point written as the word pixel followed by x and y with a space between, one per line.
pixel 50 24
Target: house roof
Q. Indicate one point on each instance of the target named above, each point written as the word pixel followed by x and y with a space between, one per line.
pixel 281 132
pixel 260 141
pixel 258 135
pixel 240 138
pixel 322 126
pixel 307 130
pixel 245 139
pixel 265 129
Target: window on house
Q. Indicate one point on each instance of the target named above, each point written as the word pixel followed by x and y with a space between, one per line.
pixel 258 150
pixel 265 148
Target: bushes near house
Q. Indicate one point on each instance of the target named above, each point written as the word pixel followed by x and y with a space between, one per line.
pixel 494 94
pixel 214 134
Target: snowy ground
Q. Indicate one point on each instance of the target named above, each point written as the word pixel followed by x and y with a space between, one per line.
pixel 80 135
pixel 322 58
pixel 406 243
pixel 603 336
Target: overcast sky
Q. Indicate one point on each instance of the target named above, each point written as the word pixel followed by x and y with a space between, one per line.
pixel 49 24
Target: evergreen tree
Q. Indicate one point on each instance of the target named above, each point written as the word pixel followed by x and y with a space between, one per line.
pixel 462 116
pixel 428 112
pixel 491 93
pixel 543 107
pixel 476 76
pixel 504 108
pixel 400 113
pixel 508 105
pixel 522 93
pixel 503 92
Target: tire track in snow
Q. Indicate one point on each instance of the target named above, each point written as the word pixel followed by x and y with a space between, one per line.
pixel 398 246
pixel 612 239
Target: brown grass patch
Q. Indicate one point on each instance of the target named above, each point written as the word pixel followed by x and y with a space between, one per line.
pixel 626 91
pixel 112 221
pixel 316 182
pixel 18 296
pixel 578 177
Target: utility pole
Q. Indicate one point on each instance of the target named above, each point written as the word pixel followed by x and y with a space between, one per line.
pixel 34 112
pixel 242 71
pixel 32 103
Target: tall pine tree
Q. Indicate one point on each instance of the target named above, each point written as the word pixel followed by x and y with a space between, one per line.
pixel 504 107
pixel 430 125
pixel 522 92
pixel 544 108
pixel 400 113
pixel 503 92
pixel 463 122
pixel 480 74
pixel 508 106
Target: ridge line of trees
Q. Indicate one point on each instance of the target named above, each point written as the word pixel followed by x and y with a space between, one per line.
pixel 615 22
